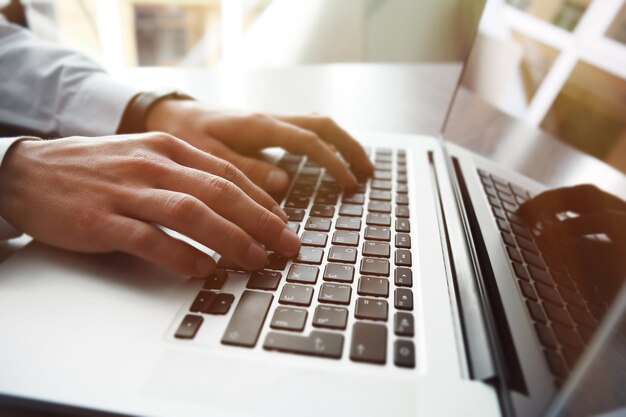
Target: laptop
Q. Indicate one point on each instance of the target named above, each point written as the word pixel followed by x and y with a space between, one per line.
pixel 422 293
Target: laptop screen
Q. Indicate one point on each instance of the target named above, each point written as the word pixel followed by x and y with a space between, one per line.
pixel 437 35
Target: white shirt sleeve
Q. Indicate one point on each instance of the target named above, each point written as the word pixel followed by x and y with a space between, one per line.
pixel 46 88
pixel 50 89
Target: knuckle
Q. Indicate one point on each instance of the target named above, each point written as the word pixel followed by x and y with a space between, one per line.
pixel 164 140
pixel 181 206
pixel 144 160
pixel 229 172
pixel 265 220
pixel 141 239
pixel 90 218
pixel 220 189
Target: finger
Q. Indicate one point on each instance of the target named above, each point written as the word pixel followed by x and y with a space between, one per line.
pixel 152 244
pixel 230 202
pixel 271 178
pixel 332 133
pixel 193 218
pixel 194 158
pixel 273 132
pixel 580 199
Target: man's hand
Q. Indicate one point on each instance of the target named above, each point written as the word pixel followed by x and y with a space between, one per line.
pixel 231 135
pixel 107 194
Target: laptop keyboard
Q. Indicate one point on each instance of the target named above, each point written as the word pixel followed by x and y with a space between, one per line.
pixel 353 272
pixel 564 311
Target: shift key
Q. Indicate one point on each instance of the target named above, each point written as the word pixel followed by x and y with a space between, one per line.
pixel 247 320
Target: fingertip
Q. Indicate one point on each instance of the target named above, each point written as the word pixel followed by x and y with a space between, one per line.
pixel 276 181
pixel 256 257
pixel 280 213
pixel 205 266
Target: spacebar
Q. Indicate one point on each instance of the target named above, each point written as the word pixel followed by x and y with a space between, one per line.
pixel 247 320
pixel 317 343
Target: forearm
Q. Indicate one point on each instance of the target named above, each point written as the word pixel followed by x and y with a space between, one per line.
pixel 49 89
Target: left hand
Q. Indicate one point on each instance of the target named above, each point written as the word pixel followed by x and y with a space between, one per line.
pixel 232 134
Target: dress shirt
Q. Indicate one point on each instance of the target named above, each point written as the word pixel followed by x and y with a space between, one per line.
pixel 47 88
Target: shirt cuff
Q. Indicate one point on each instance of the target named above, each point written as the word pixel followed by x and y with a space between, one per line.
pixel 96 106
pixel 7 231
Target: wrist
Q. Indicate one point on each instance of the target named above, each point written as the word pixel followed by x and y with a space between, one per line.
pixel 137 112
pixel 165 115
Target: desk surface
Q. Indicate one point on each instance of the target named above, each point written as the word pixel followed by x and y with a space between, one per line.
pixel 392 98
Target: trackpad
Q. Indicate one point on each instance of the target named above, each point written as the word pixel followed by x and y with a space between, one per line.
pixel 235 385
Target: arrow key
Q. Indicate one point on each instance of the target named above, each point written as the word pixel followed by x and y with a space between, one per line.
pixel 369 343
pixel 404 353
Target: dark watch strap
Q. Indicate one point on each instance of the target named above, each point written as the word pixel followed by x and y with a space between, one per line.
pixel 136 111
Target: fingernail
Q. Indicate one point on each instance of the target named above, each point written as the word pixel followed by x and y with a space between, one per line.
pixel 276 180
pixel 204 267
pixel 256 257
pixel 280 213
pixel 289 242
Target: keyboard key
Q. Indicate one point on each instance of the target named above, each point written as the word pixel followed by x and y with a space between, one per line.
pixel 540 275
pixel 521 231
pixel 545 336
pixel 381 185
pixel 403 225
pixel 514 255
pixel 382 175
pixel 300 295
pixel 216 280
pixel 520 271
pixel 375 287
pixel 403 324
pixel 548 293
pixel 319 224
pixel 402 188
pixel 372 266
pixel 402 212
pixel 403 257
pixel 402 199
pixel 401 179
pixel 248 318
pixel 533 259
pixel 509 239
pixel 380 195
pixel 378 219
pixel 379 207
pixel 556 364
pixel 536 312
pixel 318 343
pixel 378 233
pixel 224 263
pixel 383 166
pixel 326 198
pixel 581 316
pixel 403 240
pixel 369 343
pixel 403 299
pixel 189 327
pixel 528 245
pixel 288 318
pixel 342 254
pixel 297 202
pixel 295 215
pixel 322 210
pixel 264 280
pixel 202 302
pixel 348 223
pixel 376 249
pixel 558 314
pixel 310 171
pixel 276 262
pixel 351 210
pixel 330 317
pixel 354 198
pixel 567 336
pixel 294 227
pixel 404 354
pixel 527 290
pixel 304 274
pixel 346 238
pixel 371 309
pixel 221 304
pixel 306 180
pixel 310 255
pixel 335 294
pixel 317 239
pixel 339 273
pixel 403 277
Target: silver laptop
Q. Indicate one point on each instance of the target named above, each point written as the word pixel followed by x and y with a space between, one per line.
pixel 422 293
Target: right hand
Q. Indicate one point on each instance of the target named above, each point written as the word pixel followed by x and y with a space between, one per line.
pixel 107 194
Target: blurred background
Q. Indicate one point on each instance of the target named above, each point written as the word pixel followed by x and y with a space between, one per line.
pixel 556 64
